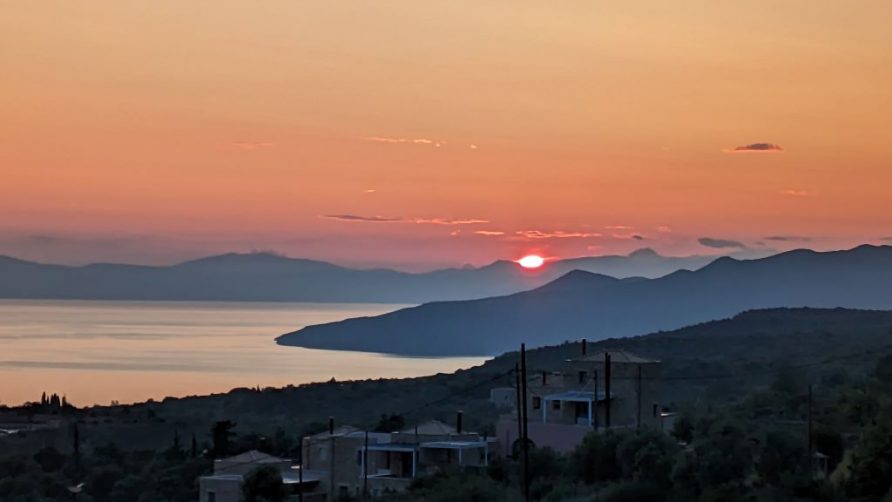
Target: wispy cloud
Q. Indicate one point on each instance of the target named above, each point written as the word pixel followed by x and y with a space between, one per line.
pixel 792 192
pixel 556 234
pixel 252 145
pixel 755 148
pixel 720 243
pixel 618 227
pixel 490 233
pixel 448 221
pixel 664 229
pixel 788 238
pixel 364 219
pixel 411 141
pixel 403 219
pixel 370 190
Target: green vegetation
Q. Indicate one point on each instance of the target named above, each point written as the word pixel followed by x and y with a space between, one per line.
pixel 714 454
pixel 263 484
pixel 740 387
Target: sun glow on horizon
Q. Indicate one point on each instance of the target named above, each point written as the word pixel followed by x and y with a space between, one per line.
pixel 531 261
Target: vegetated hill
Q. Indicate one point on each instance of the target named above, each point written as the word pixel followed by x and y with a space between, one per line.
pixel 581 304
pixel 269 277
pixel 712 363
pixel 704 367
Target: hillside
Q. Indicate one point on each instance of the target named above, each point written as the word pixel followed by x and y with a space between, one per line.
pixel 731 367
pixel 269 277
pixel 585 305
pixel 710 363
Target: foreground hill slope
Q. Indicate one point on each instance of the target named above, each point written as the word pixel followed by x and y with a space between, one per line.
pixel 585 305
pixel 754 347
pixel 269 277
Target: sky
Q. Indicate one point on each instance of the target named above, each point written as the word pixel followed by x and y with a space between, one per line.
pixel 418 135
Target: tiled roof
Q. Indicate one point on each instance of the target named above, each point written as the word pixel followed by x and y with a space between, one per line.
pixel 433 427
pixel 344 430
pixel 252 456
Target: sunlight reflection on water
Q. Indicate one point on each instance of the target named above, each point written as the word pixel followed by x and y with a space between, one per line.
pixel 97 351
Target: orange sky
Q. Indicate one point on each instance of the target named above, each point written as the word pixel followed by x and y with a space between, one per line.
pixel 164 130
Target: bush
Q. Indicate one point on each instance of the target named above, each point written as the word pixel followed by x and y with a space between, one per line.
pixel 595 460
pixel 263 484
pixel 870 473
pixel 647 457
pixel 683 429
pixel 454 485
pixel 50 459
pixel 632 491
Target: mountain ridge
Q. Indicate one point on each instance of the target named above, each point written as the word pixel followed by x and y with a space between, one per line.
pixel 584 306
pixel 273 277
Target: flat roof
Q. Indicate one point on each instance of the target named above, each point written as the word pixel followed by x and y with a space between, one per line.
pixel 223 477
pixel 579 396
pixel 454 445
pixel 293 478
pixel 391 447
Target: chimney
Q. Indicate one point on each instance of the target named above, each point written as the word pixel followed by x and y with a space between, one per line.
pixel 458 422
pixel 607 389
pixel 331 425
pixel 584 347
pixel 544 378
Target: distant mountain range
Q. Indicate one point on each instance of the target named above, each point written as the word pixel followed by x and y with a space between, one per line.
pixel 585 305
pixel 270 277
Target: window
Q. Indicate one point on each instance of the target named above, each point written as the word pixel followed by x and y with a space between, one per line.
pixel 212 497
pixel 323 453
pixel 583 376
pixel 555 405
pixel 537 402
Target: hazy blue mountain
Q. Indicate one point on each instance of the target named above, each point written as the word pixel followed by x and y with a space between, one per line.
pixel 269 277
pixel 585 305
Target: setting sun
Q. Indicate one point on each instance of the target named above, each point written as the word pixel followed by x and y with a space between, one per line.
pixel 531 261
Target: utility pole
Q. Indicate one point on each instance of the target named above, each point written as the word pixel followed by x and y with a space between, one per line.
pixel 331 448
pixel 607 389
pixel 638 425
pixel 518 402
pixel 526 438
pixel 365 468
pixel 809 428
pixel 595 376
pixel 300 472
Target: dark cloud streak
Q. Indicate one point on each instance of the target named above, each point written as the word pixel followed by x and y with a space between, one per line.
pixel 756 147
pixel 365 219
pixel 720 243
pixel 788 238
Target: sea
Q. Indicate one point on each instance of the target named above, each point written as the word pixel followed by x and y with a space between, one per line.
pixel 100 352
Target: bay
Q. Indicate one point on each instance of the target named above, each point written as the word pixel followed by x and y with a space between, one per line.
pixel 95 352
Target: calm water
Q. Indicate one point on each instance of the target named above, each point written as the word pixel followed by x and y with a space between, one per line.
pixel 97 351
